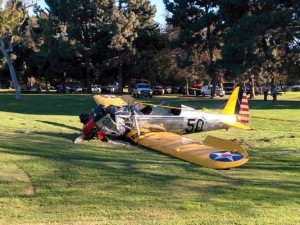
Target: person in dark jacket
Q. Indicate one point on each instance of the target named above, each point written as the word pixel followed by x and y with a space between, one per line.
pixel 266 92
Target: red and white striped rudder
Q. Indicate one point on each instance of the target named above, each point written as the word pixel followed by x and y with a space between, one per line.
pixel 243 116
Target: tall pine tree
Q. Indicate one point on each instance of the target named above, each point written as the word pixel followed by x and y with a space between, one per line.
pixel 262 37
pixel 199 35
pixel 129 18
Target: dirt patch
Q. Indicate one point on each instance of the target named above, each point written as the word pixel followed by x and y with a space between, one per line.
pixel 30 189
pixel 252 142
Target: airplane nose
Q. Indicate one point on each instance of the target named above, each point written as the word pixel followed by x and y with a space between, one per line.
pixel 99 112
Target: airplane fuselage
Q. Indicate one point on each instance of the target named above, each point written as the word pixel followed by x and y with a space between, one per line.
pixel 189 121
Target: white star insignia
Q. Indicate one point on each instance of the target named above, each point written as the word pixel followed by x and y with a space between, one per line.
pixel 225 155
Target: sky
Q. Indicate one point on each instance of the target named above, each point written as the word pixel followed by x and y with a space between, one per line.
pixel 160 9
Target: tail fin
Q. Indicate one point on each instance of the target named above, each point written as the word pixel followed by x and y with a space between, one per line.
pixel 238 104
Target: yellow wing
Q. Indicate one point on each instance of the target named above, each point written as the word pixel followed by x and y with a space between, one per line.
pixel 107 100
pixel 123 100
pixel 131 101
pixel 212 152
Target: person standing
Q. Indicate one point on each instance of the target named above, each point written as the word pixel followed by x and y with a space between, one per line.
pixel 266 92
pixel 274 94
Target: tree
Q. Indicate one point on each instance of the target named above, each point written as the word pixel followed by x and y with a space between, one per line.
pixel 27 50
pixel 98 35
pixel 12 17
pixel 199 34
pixel 129 18
pixel 262 37
pixel 85 27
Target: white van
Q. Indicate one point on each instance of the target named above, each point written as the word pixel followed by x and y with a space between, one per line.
pixel 142 90
pixel 206 90
pixel 95 88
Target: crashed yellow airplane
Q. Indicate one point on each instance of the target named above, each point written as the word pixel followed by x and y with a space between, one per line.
pixel 161 127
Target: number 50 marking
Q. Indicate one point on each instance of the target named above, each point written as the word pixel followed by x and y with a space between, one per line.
pixel 106 121
pixel 194 125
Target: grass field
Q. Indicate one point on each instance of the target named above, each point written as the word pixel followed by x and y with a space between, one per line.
pixel 46 179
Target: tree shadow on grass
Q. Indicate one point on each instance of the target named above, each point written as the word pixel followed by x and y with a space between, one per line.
pixel 121 174
pixel 48 104
pixel 268 105
pixel 60 125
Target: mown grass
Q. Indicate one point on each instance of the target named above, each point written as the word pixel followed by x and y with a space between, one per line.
pixel 46 179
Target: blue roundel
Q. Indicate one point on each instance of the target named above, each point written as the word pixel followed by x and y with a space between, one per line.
pixel 225 156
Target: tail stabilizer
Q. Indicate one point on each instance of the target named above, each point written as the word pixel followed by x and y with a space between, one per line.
pixel 238 125
pixel 237 104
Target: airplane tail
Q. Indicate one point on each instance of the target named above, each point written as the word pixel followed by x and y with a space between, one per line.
pixel 237 104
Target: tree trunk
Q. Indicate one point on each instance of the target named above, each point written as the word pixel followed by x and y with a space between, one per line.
pixel 252 87
pixel 64 83
pixel 88 79
pixel 11 70
pixel 214 84
pixel 273 88
pixel 187 87
pixel 212 71
pixel 272 82
pixel 120 79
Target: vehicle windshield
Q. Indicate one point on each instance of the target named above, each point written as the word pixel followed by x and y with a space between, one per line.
pixel 143 86
pixel 228 84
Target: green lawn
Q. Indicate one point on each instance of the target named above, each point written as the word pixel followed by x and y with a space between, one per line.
pixel 46 179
